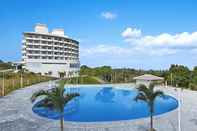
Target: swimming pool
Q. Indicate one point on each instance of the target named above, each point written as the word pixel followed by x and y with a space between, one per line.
pixel 96 104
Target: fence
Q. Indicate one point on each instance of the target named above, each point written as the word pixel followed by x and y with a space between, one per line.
pixel 11 81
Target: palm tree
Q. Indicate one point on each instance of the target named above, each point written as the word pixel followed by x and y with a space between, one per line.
pixel 55 98
pixel 148 94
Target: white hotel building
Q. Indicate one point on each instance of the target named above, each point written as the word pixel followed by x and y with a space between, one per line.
pixel 50 53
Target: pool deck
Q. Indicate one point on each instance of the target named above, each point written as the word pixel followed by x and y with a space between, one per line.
pixel 16 114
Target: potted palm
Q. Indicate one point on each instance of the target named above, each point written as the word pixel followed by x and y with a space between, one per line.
pixel 56 99
pixel 148 94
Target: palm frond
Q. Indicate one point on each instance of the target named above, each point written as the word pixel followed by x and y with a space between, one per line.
pixel 141 87
pixel 38 94
pixel 140 96
pixel 148 94
pixel 69 97
pixel 152 86
pixel 144 89
pixel 55 97
pixel 157 93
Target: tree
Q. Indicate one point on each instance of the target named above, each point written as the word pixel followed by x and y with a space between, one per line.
pixel 56 99
pixel 193 79
pixel 148 95
pixel 85 70
pixel 180 75
pixel 104 72
pixel 62 74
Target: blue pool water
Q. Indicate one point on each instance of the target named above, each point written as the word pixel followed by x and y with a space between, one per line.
pixel 107 104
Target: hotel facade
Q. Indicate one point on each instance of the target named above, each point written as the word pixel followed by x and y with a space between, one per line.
pixel 50 53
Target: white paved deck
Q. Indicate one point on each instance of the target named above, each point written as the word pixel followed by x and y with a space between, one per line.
pixel 16 115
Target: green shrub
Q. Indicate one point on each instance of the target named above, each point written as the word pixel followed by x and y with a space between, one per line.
pixel 193 86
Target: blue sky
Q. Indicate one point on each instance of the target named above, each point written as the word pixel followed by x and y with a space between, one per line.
pixel 147 34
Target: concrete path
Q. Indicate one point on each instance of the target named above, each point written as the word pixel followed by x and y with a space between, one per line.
pixel 16 115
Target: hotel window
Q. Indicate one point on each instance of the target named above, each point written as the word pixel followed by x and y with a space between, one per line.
pixel 36 36
pixel 30 36
pixel 36 41
pixel 49 38
pixel 29 41
pixel 30 57
pixel 44 42
pixel 36 46
pixel 43 37
pixel 44 57
pixel 74 65
pixel 29 46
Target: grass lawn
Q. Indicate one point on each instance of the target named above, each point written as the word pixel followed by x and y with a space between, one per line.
pixel 83 80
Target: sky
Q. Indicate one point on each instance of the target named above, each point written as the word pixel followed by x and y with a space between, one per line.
pixel 141 34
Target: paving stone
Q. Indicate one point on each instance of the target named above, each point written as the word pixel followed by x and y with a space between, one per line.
pixel 16 114
pixel 19 125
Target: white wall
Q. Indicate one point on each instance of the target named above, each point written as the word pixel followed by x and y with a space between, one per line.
pixel 37 67
pixel 59 32
pixel 144 82
pixel 41 28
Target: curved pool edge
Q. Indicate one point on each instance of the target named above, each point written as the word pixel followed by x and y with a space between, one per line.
pixel 113 121
pixel 122 125
pixel 19 101
pixel 121 121
pixel 130 124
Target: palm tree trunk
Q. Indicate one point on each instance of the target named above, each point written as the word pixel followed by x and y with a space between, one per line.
pixel 151 122
pixel 151 116
pixel 62 122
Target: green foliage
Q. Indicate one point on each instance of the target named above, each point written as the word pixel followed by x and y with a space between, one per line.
pixel 148 95
pixel 55 98
pixel 62 74
pixel 103 72
pixel 89 80
pixel 176 75
pixel 193 86
pixel 85 70
pixel 109 75
pixel 193 79
pixel 125 75
pixel 180 75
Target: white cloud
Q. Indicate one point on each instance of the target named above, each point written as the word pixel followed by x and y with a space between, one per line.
pixel 141 47
pixel 131 33
pixel 181 40
pixel 162 43
pixel 105 50
pixel 102 49
pixel 108 15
